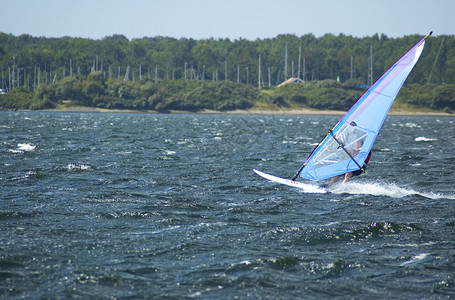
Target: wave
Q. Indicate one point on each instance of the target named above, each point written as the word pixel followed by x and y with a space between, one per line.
pixel 425 139
pixel 383 189
pixel 76 166
pixel 25 147
pixel 280 263
pixel 415 259
pixel 21 148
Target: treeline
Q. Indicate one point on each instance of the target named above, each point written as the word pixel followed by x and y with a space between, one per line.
pixel 29 62
pixel 164 73
pixel 148 94
pixel 164 95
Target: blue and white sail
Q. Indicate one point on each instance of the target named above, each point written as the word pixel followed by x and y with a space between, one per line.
pixel 339 152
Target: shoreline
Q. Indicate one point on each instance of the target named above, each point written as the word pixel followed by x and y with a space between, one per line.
pixel 252 111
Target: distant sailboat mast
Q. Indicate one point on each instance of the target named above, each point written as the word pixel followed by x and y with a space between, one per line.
pixel 370 67
pixel 298 69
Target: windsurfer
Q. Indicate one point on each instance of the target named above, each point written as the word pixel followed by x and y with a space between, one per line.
pixel 357 147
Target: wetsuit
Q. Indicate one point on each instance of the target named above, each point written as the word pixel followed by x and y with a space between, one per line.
pixel 359 172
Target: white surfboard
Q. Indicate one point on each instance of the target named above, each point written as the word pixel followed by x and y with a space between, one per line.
pixel 306 187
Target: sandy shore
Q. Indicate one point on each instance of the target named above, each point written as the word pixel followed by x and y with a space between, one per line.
pixel 256 111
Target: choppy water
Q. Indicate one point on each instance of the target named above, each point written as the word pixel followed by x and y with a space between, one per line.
pixel 167 206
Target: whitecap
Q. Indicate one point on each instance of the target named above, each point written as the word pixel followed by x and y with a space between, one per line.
pixel 15 151
pixel 415 259
pixel 125 152
pixel 74 166
pixel 424 139
pixel 25 147
pixel 289 142
pixel 410 125
pixel 331 224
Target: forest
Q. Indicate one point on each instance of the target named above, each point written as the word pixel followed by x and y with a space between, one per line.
pixel 164 74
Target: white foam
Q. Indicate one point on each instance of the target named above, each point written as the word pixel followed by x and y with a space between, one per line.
pixel 424 139
pixel 415 259
pixel 410 125
pixel 74 166
pixel 309 188
pixel 15 151
pixel 314 189
pixel 383 189
pixel 25 147
pixel 416 165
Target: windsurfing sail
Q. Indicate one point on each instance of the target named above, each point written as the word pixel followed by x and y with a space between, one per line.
pixel 346 146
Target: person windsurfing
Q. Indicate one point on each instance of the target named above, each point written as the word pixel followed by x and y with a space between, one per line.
pixel 347 176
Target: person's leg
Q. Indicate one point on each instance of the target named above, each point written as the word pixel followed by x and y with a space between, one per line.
pixel 347 176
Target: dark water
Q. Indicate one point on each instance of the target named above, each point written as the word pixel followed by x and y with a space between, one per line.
pixel 167 206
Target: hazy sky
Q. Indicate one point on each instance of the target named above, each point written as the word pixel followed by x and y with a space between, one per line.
pixel 233 19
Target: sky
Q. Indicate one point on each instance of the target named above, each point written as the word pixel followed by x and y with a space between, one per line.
pixel 232 19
